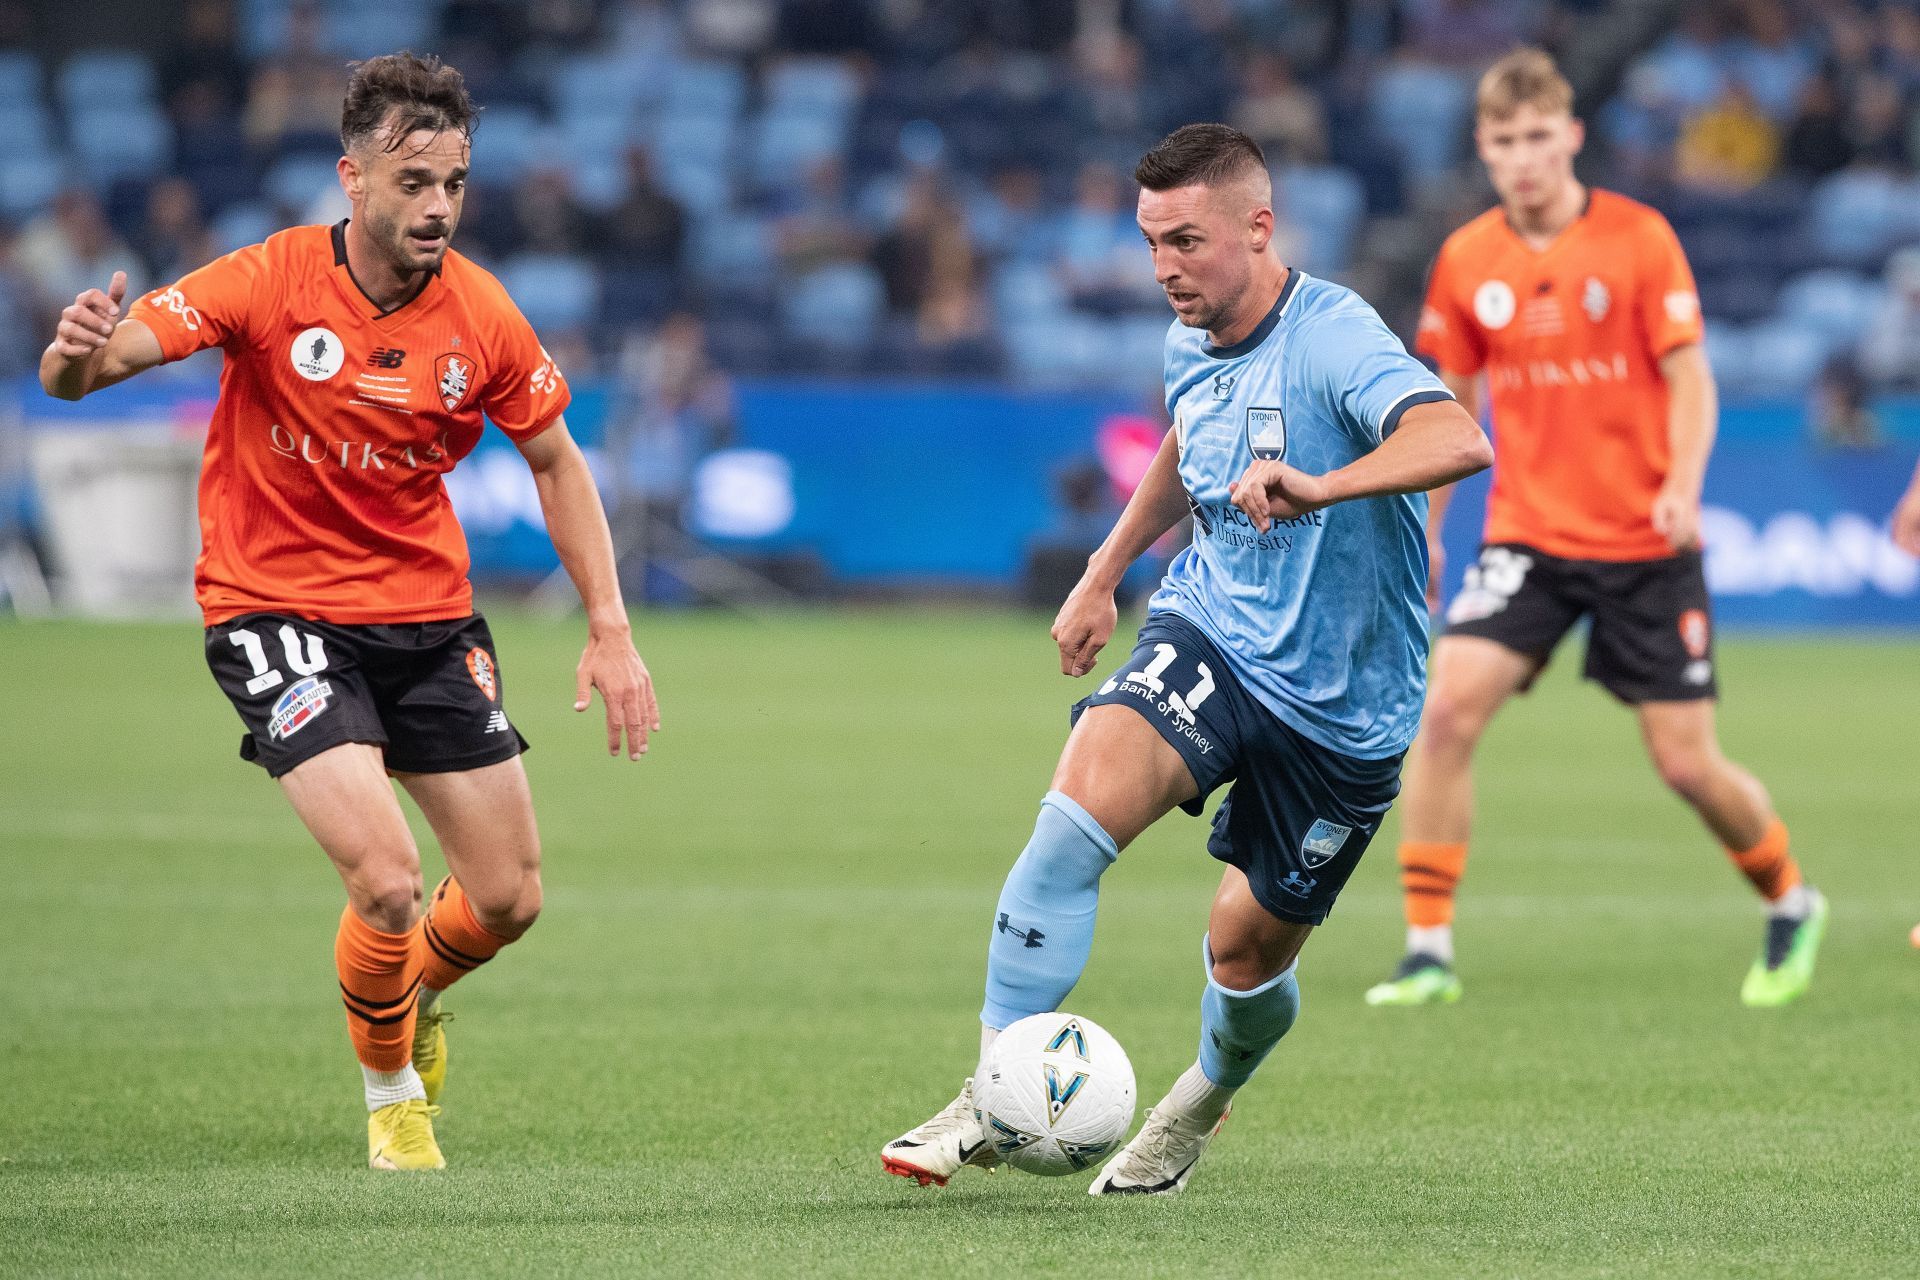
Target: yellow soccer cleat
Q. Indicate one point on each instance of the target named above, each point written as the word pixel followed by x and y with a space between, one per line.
pixel 430 1051
pixel 400 1136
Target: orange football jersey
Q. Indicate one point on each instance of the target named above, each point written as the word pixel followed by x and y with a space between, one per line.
pixel 321 491
pixel 1570 337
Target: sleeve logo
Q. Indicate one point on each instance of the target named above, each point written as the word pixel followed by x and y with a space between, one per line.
pixel 453 379
pixel 176 302
pixel 546 378
pixel 1683 306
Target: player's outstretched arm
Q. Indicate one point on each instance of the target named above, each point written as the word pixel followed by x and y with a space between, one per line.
pixel 1435 444
pixel 1086 621
pixel 1906 518
pixel 578 526
pixel 93 347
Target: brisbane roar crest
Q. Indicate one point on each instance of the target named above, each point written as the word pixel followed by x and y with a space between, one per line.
pixel 453 379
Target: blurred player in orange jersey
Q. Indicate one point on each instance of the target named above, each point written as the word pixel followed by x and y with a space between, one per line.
pixel 1906 518
pixel 332 576
pixel 1578 309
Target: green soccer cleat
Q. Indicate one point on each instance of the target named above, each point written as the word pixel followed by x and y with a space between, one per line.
pixel 1784 969
pixel 1420 979
pixel 430 1051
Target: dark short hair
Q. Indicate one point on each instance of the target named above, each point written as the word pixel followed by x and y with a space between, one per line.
pixel 1199 155
pixel 428 93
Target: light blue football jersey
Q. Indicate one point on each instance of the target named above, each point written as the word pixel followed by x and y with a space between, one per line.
pixel 1323 617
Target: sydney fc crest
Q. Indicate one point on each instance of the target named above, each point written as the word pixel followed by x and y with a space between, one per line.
pixel 1266 434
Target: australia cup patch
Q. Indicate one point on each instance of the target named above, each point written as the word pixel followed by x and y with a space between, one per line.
pixel 480 667
pixel 452 380
pixel 1266 434
pixel 295 709
pixel 1323 840
pixel 317 354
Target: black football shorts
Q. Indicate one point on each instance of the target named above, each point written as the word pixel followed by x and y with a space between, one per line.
pixel 428 693
pixel 1652 625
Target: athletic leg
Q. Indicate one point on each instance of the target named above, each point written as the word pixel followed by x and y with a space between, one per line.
pixel 1116 777
pixel 343 796
pixel 1685 749
pixel 1472 679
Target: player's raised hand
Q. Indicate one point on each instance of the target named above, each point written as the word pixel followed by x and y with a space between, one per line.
pixel 611 666
pixel 1083 626
pixel 1272 491
pixel 1676 517
pixel 86 326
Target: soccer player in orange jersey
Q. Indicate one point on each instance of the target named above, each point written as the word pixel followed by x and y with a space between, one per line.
pixel 332 575
pixel 1577 308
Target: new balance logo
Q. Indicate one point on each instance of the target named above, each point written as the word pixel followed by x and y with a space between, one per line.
pixel 1031 937
pixel 386 358
pixel 497 723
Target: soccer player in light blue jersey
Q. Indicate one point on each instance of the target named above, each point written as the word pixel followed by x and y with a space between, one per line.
pixel 1285 653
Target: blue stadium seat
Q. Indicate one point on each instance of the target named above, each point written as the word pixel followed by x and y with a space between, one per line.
pixel 120 142
pixel 1856 214
pixel 713 90
pixel 295 182
pixel 598 130
pixel 507 142
pixel 732 250
pixel 822 87
pixel 1327 204
pixel 1729 350
pixel 692 155
pixel 1069 351
pixel 553 291
pixel 1838 305
pixel 1785 357
pixel 19 78
pixel 785 148
pixel 243 224
pixel 838 307
pixel 369 28
pixel 28 183
pixel 1023 295
pixel 25 130
pixel 599 82
pixel 107 78
pixel 1421 113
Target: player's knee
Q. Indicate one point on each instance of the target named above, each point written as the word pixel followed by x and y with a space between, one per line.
pixel 1687 769
pixel 1451 725
pixel 1242 964
pixel 511 910
pixel 386 898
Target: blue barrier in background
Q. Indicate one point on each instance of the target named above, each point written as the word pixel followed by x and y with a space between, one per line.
pixel 949 484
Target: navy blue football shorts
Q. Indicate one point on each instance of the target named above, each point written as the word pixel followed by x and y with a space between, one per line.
pixel 1298 815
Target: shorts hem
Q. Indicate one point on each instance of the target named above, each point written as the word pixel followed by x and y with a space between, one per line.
pixel 462 763
pixel 279 769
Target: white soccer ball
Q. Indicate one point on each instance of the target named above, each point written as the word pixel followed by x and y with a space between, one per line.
pixel 1058 1094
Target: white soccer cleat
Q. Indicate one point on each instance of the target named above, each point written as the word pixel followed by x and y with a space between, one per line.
pixel 1160 1158
pixel 940 1148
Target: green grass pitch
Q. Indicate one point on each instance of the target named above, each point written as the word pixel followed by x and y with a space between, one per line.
pixel 761 959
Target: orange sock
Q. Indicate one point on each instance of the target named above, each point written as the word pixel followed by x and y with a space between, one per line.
pixel 379 982
pixel 1768 864
pixel 457 943
pixel 1429 873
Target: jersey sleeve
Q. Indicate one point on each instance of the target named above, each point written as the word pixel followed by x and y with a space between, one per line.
pixel 527 393
pixel 1366 375
pixel 207 307
pixel 1669 301
pixel 1448 335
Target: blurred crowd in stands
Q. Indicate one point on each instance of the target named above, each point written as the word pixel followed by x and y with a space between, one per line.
pixel 943 187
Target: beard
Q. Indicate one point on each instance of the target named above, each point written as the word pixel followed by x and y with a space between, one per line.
pixel 391 234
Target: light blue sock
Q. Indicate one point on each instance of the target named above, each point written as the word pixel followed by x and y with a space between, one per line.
pixel 1043 925
pixel 1239 1028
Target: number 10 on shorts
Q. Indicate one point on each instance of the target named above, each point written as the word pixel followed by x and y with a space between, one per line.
pixel 1149 677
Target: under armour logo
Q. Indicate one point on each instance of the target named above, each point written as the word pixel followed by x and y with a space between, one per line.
pixel 1031 937
pixel 1239 1055
pixel 1222 386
